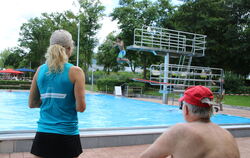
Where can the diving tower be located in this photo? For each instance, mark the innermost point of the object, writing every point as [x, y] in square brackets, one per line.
[160, 41]
[175, 78]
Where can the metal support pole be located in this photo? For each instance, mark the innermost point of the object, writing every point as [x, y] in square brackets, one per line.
[165, 94]
[78, 41]
[92, 80]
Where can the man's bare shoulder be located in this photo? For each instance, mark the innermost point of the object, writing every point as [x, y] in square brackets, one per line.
[193, 128]
[180, 127]
[177, 130]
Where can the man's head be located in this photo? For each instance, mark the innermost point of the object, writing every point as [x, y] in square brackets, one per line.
[196, 103]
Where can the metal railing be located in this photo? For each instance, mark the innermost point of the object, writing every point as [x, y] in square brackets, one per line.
[169, 41]
[182, 76]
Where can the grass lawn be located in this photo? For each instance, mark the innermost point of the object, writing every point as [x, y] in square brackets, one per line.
[89, 87]
[237, 100]
[154, 93]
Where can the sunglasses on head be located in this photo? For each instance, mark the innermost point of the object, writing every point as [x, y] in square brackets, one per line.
[181, 105]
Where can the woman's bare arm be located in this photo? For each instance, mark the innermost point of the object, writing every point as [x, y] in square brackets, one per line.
[78, 78]
[34, 97]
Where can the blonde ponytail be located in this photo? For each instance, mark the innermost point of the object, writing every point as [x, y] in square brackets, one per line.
[55, 58]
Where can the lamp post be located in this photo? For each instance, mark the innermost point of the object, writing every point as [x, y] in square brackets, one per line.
[92, 80]
[78, 41]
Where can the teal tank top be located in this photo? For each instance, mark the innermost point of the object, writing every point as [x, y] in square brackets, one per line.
[58, 109]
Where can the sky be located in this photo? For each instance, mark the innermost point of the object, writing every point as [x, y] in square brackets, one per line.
[13, 13]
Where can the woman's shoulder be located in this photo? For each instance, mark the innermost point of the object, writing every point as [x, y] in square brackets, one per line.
[75, 73]
[42, 66]
[76, 69]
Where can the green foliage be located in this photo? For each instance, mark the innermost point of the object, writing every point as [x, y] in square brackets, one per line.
[36, 32]
[226, 24]
[90, 12]
[136, 84]
[133, 14]
[233, 83]
[10, 84]
[15, 58]
[3, 56]
[107, 55]
[89, 87]
[13, 82]
[153, 93]
[107, 82]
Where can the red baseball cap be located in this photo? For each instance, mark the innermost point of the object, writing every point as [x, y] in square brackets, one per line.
[194, 95]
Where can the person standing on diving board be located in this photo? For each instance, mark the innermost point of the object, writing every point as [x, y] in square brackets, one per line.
[120, 44]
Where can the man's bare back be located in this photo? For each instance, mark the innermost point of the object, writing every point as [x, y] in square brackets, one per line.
[194, 140]
[205, 140]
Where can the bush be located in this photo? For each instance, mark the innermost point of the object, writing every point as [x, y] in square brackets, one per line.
[107, 82]
[15, 87]
[10, 84]
[234, 83]
[136, 84]
[244, 90]
[96, 74]
[13, 82]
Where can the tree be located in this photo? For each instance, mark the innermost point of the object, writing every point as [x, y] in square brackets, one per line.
[90, 12]
[3, 56]
[226, 24]
[36, 32]
[14, 58]
[133, 14]
[107, 55]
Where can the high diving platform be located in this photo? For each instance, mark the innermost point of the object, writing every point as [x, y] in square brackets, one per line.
[160, 41]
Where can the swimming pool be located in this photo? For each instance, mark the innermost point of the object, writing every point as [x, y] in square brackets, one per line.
[103, 111]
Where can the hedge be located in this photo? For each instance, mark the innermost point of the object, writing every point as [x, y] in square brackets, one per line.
[17, 87]
[13, 84]
[108, 84]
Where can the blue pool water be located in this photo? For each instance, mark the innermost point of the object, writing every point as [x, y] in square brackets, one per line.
[102, 111]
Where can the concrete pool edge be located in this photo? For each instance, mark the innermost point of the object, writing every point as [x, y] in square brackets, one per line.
[21, 141]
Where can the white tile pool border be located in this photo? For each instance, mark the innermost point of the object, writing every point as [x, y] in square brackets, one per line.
[21, 141]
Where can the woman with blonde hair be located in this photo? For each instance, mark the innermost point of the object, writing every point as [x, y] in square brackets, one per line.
[58, 90]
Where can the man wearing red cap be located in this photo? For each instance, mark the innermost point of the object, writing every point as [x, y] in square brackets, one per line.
[199, 137]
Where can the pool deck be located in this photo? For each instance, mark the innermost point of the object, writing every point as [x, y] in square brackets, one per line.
[133, 151]
[127, 151]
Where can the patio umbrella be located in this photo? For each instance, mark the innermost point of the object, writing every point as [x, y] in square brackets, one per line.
[25, 70]
[11, 71]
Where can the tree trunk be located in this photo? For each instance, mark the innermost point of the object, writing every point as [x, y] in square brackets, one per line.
[132, 67]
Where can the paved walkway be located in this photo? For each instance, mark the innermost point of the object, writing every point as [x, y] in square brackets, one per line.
[127, 151]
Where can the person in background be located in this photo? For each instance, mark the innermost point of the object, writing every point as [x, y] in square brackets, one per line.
[121, 56]
[199, 137]
[58, 89]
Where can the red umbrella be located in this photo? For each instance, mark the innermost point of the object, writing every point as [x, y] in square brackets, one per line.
[11, 71]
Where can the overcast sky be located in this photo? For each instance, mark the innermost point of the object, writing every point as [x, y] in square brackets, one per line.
[13, 13]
